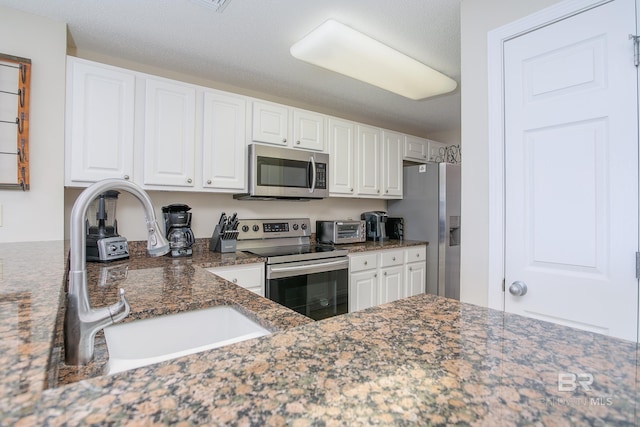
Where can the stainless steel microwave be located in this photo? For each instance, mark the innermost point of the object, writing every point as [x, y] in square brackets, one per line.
[286, 173]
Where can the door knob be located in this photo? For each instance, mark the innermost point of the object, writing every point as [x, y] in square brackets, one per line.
[518, 288]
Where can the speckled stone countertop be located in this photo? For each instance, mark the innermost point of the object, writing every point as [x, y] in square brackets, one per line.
[423, 360]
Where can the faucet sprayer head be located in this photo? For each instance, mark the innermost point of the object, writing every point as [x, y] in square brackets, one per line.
[157, 244]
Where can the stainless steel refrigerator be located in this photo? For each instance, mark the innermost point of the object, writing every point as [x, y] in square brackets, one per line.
[431, 210]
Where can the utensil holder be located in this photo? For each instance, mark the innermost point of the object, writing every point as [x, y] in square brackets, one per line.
[223, 241]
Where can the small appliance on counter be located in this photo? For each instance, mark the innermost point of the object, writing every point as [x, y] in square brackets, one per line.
[225, 234]
[103, 242]
[340, 232]
[177, 225]
[395, 228]
[376, 225]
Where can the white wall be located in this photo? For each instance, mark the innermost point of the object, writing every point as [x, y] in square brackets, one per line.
[478, 17]
[206, 210]
[37, 214]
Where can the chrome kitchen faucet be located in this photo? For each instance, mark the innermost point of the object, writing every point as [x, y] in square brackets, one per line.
[81, 321]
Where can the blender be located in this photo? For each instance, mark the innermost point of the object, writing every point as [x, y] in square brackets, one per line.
[103, 242]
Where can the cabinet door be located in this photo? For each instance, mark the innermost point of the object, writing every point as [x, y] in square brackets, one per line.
[391, 285]
[341, 150]
[223, 142]
[363, 290]
[368, 158]
[416, 149]
[169, 138]
[392, 144]
[249, 276]
[308, 130]
[100, 126]
[416, 278]
[434, 151]
[270, 123]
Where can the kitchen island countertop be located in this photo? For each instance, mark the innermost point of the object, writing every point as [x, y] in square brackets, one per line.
[420, 360]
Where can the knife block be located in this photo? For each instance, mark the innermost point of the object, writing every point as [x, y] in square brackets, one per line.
[223, 241]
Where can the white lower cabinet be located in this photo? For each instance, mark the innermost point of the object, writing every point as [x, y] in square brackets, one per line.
[249, 276]
[383, 276]
[415, 269]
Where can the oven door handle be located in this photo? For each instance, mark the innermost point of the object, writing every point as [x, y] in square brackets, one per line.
[298, 270]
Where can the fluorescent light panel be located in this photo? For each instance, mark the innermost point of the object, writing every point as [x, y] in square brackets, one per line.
[339, 48]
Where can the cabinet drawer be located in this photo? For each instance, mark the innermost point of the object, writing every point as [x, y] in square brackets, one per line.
[247, 276]
[415, 254]
[362, 262]
[389, 258]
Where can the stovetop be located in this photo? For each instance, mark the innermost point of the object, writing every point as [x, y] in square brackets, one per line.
[291, 253]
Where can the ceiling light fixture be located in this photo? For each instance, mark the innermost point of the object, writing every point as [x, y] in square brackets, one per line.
[216, 5]
[339, 48]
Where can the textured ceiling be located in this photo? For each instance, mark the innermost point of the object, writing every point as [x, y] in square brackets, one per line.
[247, 46]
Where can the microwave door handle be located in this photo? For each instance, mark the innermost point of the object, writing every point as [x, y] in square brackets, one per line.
[313, 174]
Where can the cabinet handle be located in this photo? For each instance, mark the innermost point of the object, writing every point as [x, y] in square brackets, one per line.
[126, 177]
[189, 180]
[208, 181]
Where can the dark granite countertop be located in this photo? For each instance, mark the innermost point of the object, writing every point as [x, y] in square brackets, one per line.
[423, 360]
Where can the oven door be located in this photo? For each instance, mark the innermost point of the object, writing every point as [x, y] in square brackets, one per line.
[317, 289]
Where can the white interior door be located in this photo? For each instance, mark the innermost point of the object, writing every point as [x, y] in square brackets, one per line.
[571, 171]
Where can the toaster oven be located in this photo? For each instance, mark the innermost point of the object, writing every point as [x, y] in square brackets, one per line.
[340, 232]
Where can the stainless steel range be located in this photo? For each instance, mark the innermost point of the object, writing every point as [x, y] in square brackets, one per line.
[311, 279]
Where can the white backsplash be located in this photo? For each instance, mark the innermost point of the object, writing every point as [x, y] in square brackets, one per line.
[206, 209]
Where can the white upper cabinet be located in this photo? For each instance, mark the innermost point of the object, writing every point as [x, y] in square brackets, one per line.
[169, 137]
[223, 141]
[289, 127]
[368, 151]
[308, 130]
[392, 146]
[341, 139]
[435, 154]
[416, 149]
[379, 162]
[270, 123]
[99, 122]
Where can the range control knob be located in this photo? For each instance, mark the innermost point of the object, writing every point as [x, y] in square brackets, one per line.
[245, 228]
[255, 227]
[295, 226]
[303, 226]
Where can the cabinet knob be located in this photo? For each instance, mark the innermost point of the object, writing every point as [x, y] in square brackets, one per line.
[284, 139]
[385, 273]
[378, 191]
[418, 255]
[126, 177]
[366, 262]
[387, 190]
[351, 189]
[208, 181]
[375, 275]
[298, 142]
[424, 156]
[394, 258]
[410, 268]
[189, 180]
[235, 280]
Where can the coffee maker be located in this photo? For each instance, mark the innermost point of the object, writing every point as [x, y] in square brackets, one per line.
[177, 224]
[103, 243]
[376, 225]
